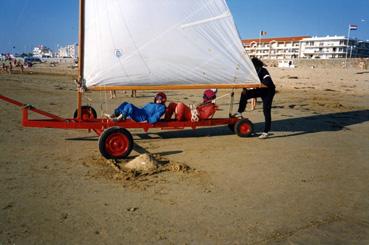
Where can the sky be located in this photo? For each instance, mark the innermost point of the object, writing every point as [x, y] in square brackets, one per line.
[25, 24]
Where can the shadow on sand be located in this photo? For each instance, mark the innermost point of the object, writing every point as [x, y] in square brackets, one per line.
[292, 126]
[320, 123]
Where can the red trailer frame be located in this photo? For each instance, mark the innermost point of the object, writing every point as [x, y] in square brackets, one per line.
[115, 141]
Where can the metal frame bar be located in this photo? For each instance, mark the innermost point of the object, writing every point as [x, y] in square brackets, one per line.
[98, 125]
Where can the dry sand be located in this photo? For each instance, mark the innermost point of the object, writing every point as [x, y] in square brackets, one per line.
[307, 184]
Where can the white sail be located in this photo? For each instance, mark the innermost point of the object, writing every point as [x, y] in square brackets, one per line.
[163, 42]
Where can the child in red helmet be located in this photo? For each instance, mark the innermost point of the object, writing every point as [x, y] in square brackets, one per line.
[203, 111]
[150, 113]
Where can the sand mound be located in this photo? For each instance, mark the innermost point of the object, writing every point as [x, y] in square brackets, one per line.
[144, 171]
[147, 165]
[143, 163]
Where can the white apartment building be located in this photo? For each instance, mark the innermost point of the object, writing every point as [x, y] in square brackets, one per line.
[331, 47]
[325, 47]
[42, 51]
[306, 47]
[274, 48]
[69, 51]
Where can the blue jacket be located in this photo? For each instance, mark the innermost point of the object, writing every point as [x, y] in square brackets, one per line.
[151, 112]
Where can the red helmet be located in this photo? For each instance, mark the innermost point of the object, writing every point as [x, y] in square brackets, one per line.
[209, 95]
[161, 96]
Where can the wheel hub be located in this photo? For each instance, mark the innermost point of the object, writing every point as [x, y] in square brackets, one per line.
[116, 144]
[245, 129]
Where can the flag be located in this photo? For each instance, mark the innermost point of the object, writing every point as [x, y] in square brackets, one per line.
[353, 27]
[263, 33]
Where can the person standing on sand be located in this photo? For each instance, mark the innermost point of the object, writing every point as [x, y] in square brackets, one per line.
[113, 94]
[266, 94]
[253, 104]
[10, 66]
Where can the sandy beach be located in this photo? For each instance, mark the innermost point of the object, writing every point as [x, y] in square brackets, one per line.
[306, 184]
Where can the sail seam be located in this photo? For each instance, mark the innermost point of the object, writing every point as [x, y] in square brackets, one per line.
[200, 22]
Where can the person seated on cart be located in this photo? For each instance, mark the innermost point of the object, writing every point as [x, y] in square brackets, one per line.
[150, 113]
[203, 111]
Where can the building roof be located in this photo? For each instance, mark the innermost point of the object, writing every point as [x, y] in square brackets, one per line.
[276, 39]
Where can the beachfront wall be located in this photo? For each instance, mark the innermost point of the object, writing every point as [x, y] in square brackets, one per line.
[357, 63]
[305, 47]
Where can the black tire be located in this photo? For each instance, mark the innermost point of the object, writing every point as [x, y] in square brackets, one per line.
[115, 143]
[88, 113]
[244, 128]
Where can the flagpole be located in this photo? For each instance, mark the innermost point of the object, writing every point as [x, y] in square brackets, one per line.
[260, 41]
[348, 42]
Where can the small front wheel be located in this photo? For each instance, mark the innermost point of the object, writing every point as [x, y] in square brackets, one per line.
[244, 128]
[88, 113]
[115, 143]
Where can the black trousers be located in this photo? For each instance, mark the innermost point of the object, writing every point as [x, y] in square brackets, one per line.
[267, 95]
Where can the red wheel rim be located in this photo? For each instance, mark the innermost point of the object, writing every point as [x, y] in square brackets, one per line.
[245, 128]
[116, 144]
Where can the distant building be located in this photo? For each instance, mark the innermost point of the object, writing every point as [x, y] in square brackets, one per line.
[69, 51]
[274, 48]
[306, 47]
[42, 51]
[331, 47]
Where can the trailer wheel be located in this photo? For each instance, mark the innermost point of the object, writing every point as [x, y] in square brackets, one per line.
[115, 143]
[244, 128]
[88, 113]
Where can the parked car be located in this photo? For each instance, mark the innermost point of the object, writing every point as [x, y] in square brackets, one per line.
[32, 60]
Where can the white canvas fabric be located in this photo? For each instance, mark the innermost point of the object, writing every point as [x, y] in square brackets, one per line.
[163, 42]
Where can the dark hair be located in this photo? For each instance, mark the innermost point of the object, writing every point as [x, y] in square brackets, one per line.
[257, 63]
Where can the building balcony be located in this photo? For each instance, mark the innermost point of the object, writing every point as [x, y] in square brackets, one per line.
[323, 46]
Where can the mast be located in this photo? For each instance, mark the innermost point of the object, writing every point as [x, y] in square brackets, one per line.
[81, 42]
[81, 55]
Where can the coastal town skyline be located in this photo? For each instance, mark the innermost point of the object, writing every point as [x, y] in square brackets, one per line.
[55, 24]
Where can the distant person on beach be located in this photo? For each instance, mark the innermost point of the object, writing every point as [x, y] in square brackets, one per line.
[253, 104]
[362, 64]
[113, 94]
[150, 113]
[203, 111]
[266, 94]
[10, 66]
[20, 65]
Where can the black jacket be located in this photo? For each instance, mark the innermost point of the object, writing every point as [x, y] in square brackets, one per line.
[265, 78]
